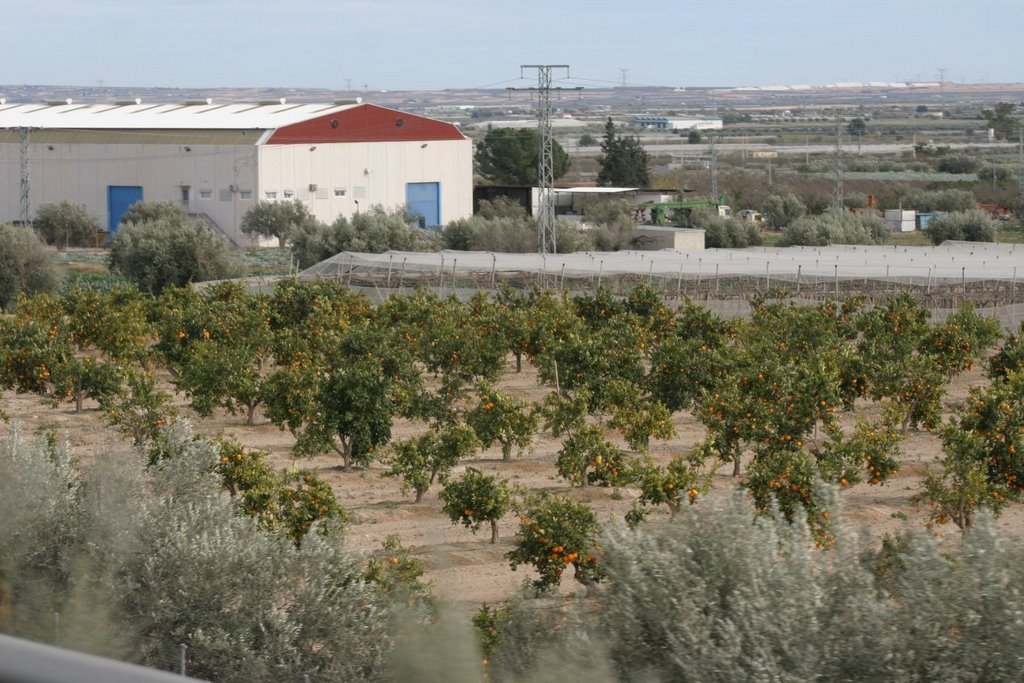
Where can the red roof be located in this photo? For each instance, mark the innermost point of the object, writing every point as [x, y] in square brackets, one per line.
[365, 123]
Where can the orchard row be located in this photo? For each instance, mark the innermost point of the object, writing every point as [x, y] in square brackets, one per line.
[336, 372]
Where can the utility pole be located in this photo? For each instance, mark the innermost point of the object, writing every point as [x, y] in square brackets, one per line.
[837, 191]
[625, 76]
[545, 160]
[26, 194]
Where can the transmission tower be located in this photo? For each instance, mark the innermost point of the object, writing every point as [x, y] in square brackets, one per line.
[545, 160]
[713, 153]
[26, 211]
[837, 191]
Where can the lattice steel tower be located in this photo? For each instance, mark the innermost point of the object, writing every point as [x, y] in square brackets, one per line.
[545, 159]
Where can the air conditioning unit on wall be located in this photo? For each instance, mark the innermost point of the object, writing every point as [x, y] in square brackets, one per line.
[233, 188]
[312, 187]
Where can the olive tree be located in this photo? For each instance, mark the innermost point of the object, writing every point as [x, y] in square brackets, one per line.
[25, 266]
[169, 251]
[970, 226]
[66, 224]
[275, 219]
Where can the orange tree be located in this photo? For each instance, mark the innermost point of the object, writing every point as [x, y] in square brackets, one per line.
[40, 358]
[294, 501]
[897, 363]
[685, 357]
[588, 357]
[961, 341]
[422, 460]
[113, 322]
[476, 498]
[554, 533]
[787, 477]
[585, 456]
[341, 391]
[765, 399]
[459, 342]
[139, 408]
[222, 348]
[637, 417]
[511, 314]
[500, 417]
[983, 465]
[1009, 357]
[678, 482]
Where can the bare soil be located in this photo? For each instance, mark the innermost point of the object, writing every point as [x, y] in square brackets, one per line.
[466, 569]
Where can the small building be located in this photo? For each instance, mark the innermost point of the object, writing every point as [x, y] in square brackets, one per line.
[751, 216]
[217, 160]
[649, 237]
[922, 219]
[900, 220]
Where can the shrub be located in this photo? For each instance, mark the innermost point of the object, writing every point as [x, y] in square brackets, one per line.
[136, 562]
[941, 200]
[275, 219]
[166, 252]
[715, 597]
[146, 212]
[957, 165]
[66, 225]
[725, 233]
[781, 210]
[970, 226]
[993, 171]
[835, 228]
[25, 266]
[374, 231]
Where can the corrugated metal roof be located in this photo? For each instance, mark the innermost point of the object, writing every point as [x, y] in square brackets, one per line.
[162, 116]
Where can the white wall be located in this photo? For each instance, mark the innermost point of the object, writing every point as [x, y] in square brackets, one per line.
[81, 173]
[368, 174]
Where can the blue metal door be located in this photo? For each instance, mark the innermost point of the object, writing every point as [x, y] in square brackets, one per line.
[423, 200]
[119, 198]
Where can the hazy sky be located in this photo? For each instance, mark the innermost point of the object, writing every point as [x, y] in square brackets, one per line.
[433, 44]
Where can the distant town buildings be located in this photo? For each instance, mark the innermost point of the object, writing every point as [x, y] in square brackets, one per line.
[664, 123]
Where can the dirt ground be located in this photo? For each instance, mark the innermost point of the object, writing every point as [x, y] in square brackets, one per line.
[466, 569]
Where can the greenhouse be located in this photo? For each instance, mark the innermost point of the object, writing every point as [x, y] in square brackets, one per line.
[985, 273]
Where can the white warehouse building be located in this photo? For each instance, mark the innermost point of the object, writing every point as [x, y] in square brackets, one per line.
[664, 123]
[217, 160]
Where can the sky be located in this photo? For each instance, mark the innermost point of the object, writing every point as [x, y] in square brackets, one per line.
[439, 44]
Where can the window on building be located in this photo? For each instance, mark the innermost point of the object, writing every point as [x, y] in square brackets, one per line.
[340, 191]
[245, 194]
[289, 193]
[206, 194]
[270, 195]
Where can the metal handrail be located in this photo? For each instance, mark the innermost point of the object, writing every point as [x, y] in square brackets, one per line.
[23, 661]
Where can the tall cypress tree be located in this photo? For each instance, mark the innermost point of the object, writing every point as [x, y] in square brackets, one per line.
[623, 160]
